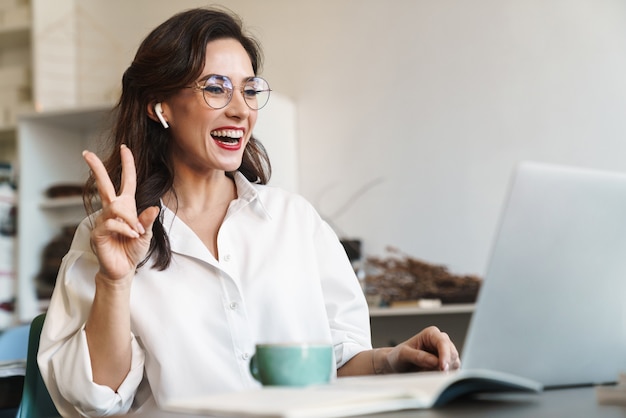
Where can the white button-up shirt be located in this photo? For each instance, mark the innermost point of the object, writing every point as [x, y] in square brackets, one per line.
[282, 276]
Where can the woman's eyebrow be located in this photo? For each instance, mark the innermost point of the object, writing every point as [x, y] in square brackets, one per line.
[206, 77]
[223, 77]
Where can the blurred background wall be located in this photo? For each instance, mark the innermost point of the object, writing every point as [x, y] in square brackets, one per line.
[411, 114]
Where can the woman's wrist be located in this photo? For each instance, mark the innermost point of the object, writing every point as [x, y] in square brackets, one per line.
[380, 363]
[105, 283]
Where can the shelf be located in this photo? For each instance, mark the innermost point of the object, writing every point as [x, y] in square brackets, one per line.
[50, 148]
[7, 133]
[15, 35]
[8, 129]
[86, 117]
[62, 202]
[407, 311]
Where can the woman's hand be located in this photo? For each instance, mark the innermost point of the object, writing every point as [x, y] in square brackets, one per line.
[431, 349]
[120, 237]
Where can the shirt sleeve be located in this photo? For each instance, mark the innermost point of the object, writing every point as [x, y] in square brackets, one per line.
[346, 307]
[63, 355]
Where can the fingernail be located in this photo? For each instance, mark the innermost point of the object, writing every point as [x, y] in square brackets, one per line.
[446, 367]
[140, 228]
[84, 152]
[134, 233]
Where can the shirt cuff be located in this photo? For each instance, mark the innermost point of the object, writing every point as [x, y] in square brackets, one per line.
[345, 351]
[74, 376]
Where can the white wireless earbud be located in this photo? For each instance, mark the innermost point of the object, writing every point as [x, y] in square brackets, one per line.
[159, 113]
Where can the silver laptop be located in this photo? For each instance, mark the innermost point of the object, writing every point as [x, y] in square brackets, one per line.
[552, 306]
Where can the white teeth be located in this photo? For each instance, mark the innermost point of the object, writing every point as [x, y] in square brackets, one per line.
[230, 133]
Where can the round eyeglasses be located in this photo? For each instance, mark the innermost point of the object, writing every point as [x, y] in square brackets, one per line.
[217, 91]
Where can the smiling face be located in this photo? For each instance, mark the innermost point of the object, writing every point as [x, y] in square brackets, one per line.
[209, 140]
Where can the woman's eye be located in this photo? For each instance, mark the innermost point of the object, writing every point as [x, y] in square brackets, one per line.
[215, 89]
[250, 92]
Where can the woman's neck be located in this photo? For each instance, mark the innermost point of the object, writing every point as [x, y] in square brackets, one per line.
[199, 194]
[202, 206]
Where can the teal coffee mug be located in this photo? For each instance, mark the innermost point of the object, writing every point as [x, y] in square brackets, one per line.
[292, 364]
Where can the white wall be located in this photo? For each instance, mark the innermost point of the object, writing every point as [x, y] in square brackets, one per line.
[431, 103]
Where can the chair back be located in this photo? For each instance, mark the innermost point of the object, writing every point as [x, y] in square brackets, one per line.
[36, 401]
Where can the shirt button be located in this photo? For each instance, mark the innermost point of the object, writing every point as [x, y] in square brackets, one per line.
[227, 258]
[233, 305]
[245, 356]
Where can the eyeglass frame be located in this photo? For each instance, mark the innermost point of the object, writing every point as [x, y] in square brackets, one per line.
[202, 88]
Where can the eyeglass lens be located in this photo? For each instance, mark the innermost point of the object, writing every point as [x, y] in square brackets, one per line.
[218, 92]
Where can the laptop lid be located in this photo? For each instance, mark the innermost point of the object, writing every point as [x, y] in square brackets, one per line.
[552, 306]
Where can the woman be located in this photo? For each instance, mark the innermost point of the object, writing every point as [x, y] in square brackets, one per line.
[192, 259]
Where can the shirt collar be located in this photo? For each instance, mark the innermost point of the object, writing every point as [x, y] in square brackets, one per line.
[249, 193]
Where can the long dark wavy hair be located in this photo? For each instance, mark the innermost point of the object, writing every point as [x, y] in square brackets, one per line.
[170, 58]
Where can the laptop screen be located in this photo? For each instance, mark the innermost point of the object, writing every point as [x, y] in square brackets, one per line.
[552, 306]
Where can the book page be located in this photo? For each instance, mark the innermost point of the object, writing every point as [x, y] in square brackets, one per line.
[311, 402]
[349, 396]
[344, 397]
[422, 385]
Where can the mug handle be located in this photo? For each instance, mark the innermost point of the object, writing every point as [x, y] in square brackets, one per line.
[254, 368]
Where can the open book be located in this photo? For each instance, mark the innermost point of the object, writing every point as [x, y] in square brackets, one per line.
[351, 396]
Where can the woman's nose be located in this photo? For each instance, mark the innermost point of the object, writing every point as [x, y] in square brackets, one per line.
[237, 106]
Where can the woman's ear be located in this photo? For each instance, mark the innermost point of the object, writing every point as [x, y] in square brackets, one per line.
[155, 112]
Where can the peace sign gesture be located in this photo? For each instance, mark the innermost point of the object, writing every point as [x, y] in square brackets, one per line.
[120, 237]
